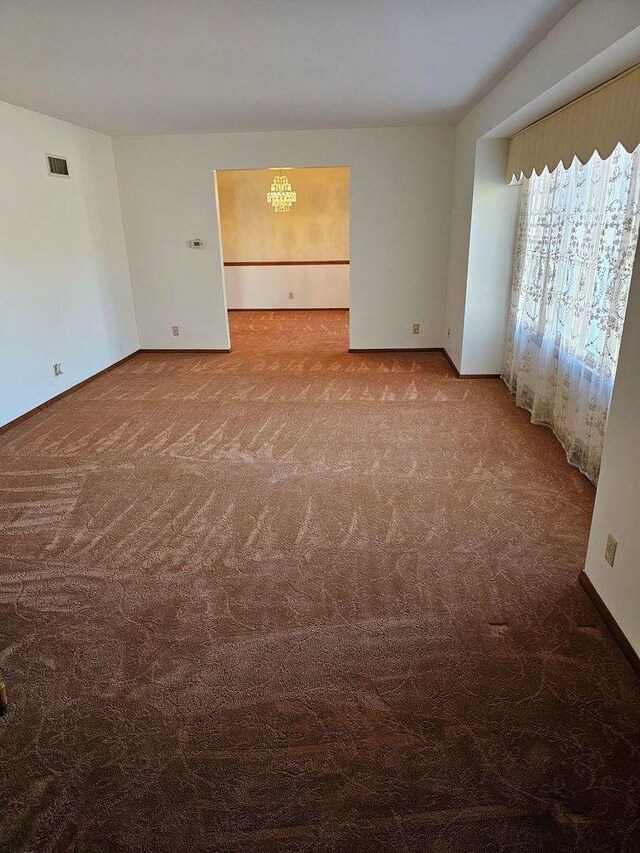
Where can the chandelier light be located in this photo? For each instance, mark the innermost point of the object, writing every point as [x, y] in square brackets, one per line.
[282, 196]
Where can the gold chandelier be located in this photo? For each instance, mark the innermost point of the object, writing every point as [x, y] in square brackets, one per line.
[282, 196]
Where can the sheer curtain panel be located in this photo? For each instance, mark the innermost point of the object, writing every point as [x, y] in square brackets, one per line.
[575, 249]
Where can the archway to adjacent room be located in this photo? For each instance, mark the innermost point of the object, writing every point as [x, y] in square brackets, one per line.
[284, 237]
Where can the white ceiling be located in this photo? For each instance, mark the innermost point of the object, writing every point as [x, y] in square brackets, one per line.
[193, 66]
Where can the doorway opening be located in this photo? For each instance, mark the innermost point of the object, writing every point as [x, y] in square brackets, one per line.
[284, 236]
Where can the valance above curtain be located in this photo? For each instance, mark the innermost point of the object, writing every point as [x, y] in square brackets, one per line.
[597, 121]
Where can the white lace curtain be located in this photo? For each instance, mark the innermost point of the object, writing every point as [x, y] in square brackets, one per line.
[575, 249]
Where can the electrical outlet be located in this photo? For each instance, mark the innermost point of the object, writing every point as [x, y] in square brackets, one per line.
[57, 369]
[291, 294]
[416, 328]
[610, 550]
[175, 331]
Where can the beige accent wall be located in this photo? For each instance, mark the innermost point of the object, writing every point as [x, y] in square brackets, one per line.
[315, 229]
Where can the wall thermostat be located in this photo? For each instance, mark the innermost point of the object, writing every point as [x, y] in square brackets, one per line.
[196, 244]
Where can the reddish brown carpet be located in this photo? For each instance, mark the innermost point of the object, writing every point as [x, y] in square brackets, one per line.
[295, 599]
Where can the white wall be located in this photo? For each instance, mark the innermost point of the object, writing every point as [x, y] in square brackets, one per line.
[65, 293]
[494, 220]
[312, 286]
[592, 43]
[617, 507]
[400, 216]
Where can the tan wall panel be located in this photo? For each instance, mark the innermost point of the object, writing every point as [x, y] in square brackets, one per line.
[315, 229]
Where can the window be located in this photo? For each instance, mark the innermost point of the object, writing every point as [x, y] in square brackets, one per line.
[575, 250]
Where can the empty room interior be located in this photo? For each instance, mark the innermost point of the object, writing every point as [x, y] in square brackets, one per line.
[298, 262]
[319, 426]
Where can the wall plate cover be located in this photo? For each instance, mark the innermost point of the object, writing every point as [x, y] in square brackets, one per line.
[610, 550]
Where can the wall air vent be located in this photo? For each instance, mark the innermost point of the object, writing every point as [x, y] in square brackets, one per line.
[57, 166]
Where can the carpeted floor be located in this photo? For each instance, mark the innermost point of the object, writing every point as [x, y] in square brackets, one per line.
[295, 599]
